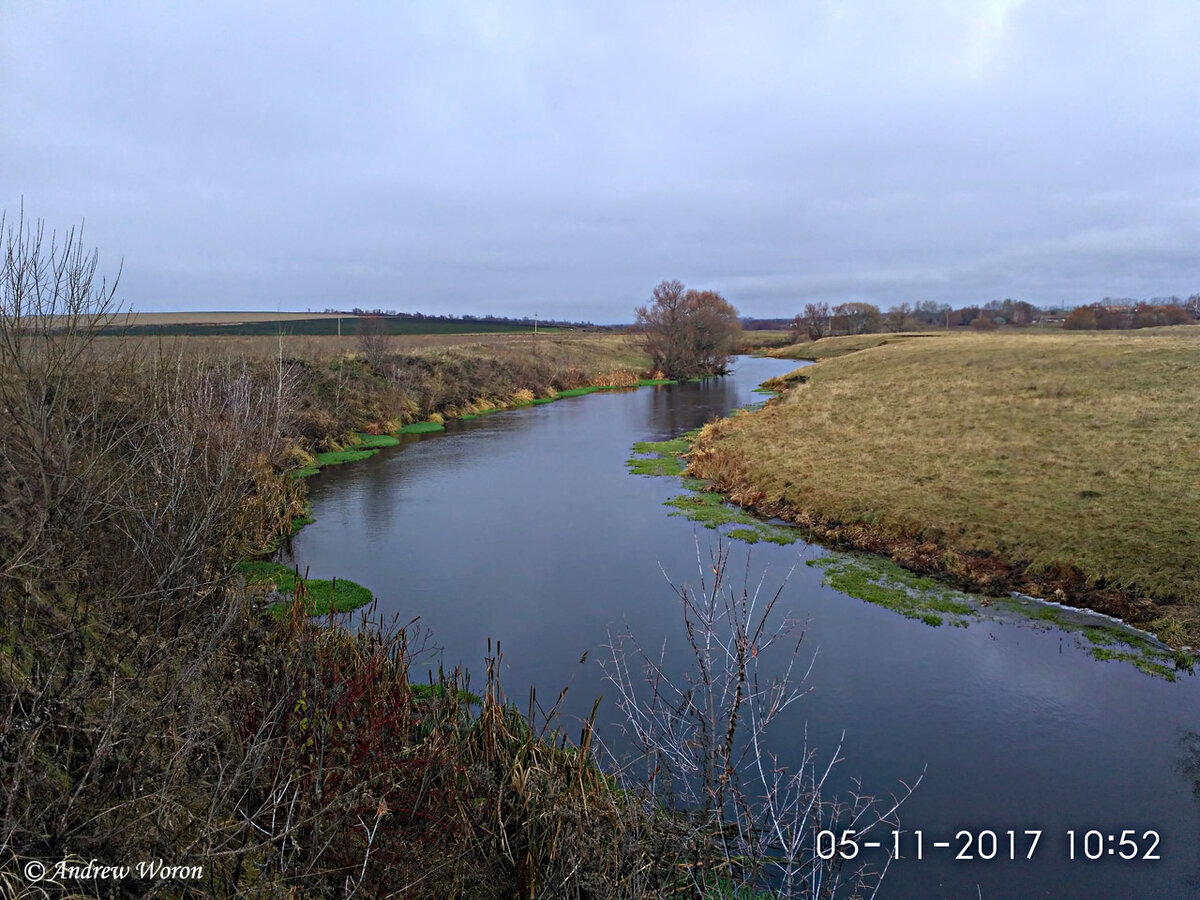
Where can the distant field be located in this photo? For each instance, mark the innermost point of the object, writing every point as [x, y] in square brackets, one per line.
[229, 324]
[217, 318]
[1043, 462]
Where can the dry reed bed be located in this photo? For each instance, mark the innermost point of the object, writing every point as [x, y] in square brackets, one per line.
[1060, 465]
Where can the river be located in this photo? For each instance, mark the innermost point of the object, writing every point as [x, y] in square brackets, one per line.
[526, 527]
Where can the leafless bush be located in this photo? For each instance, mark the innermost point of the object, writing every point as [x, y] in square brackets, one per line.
[374, 340]
[127, 488]
[702, 737]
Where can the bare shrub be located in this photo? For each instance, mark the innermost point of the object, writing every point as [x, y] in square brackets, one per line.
[702, 738]
[374, 340]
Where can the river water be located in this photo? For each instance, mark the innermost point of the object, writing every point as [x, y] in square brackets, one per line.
[525, 527]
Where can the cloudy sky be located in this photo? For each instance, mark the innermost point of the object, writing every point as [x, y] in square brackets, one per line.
[564, 157]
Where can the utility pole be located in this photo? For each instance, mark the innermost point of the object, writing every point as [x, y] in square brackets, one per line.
[535, 323]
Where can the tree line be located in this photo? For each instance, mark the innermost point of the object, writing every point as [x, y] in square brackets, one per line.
[820, 320]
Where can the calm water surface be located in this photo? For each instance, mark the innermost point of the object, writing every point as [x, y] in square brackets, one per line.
[525, 527]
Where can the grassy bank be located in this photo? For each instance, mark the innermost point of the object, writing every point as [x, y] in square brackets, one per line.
[828, 348]
[1057, 465]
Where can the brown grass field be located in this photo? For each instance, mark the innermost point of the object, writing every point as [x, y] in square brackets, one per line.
[587, 350]
[1064, 465]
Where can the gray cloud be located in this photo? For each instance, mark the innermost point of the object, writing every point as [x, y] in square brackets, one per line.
[476, 157]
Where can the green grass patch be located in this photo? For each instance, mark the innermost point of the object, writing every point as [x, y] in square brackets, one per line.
[324, 595]
[422, 428]
[659, 457]
[340, 457]
[368, 441]
[676, 447]
[575, 392]
[1103, 641]
[366, 445]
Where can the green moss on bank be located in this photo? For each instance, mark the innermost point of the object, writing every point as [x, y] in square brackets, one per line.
[324, 596]
[700, 505]
[1105, 641]
[882, 582]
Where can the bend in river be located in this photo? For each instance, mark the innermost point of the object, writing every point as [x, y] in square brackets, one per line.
[526, 527]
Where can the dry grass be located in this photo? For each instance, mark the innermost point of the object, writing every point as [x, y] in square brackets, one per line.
[587, 350]
[1072, 456]
[829, 347]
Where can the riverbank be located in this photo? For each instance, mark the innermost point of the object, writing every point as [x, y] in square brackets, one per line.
[191, 722]
[1054, 465]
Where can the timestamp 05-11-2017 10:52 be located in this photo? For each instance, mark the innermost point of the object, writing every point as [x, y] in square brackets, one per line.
[1128, 844]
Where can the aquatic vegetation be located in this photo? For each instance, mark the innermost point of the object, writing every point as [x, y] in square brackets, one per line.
[1104, 641]
[712, 511]
[880, 581]
[700, 505]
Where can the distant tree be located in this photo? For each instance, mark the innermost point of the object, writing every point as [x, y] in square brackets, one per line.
[899, 317]
[932, 313]
[1021, 313]
[688, 333]
[1081, 319]
[966, 315]
[813, 322]
[857, 318]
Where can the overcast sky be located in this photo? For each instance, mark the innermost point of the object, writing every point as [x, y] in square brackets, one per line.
[565, 157]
